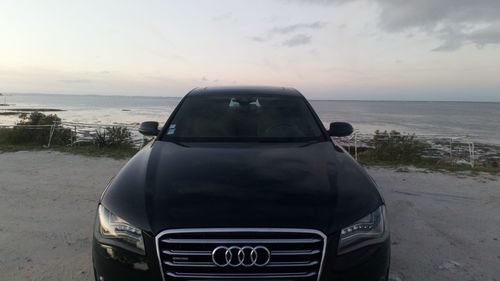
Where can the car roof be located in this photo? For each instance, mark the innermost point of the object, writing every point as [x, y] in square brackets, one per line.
[257, 90]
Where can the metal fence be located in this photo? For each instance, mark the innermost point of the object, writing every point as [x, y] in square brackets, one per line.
[456, 149]
[82, 133]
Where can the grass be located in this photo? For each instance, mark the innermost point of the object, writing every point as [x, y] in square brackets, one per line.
[395, 150]
[113, 142]
[435, 166]
[389, 150]
[117, 152]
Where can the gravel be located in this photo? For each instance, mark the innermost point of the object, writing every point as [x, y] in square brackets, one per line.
[444, 226]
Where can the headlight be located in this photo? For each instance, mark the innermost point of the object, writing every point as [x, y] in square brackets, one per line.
[118, 231]
[369, 230]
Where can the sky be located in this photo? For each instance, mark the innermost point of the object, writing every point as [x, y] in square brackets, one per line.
[328, 49]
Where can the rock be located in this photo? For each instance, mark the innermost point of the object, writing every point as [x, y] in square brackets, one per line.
[450, 265]
[396, 276]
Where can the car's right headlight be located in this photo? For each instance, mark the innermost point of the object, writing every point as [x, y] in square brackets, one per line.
[116, 230]
[369, 230]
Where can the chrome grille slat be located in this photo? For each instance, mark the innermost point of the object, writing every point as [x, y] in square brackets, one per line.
[205, 264]
[243, 276]
[295, 254]
[189, 264]
[292, 264]
[187, 253]
[290, 253]
[230, 241]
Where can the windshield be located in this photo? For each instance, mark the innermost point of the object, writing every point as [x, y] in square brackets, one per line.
[243, 118]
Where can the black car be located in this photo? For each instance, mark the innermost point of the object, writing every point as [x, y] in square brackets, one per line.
[242, 183]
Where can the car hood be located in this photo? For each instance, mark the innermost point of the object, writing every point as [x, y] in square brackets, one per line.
[169, 185]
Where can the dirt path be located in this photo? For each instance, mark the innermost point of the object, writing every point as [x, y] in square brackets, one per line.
[47, 207]
[443, 227]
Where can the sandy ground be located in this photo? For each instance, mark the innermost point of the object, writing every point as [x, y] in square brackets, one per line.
[444, 227]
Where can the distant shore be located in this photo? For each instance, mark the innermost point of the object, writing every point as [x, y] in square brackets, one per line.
[476, 119]
[18, 111]
[441, 150]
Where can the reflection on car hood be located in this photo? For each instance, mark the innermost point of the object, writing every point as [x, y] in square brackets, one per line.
[169, 185]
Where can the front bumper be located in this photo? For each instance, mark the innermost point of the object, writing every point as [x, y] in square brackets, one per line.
[112, 263]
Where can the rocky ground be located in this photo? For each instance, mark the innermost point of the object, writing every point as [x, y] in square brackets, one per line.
[444, 226]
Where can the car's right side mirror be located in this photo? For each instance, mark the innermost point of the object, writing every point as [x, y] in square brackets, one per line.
[340, 129]
[149, 128]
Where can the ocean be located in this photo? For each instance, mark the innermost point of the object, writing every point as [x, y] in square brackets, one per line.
[479, 121]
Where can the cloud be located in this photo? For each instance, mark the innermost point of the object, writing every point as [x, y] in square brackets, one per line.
[487, 35]
[222, 17]
[259, 38]
[455, 22]
[455, 38]
[299, 26]
[297, 40]
[75, 81]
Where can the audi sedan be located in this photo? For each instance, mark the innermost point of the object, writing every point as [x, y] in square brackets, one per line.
[242, 183]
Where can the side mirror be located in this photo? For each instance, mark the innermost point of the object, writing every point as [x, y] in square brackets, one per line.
[340, 129]
[149, 128]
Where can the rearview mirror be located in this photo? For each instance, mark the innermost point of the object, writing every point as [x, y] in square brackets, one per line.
[149, 128]
[340, 129]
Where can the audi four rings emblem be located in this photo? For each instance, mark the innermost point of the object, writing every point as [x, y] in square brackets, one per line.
[246, 256]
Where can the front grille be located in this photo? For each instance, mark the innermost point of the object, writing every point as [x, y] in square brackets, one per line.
[280, 254]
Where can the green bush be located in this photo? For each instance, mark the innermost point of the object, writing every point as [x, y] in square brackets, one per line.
[38, 118]
[115, 136]
[394, 147]
[23, 133]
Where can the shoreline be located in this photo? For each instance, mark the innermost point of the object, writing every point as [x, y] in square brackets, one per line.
[439, 149]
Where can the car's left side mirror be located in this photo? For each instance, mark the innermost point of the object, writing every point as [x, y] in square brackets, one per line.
[149, 128]
[340, 129]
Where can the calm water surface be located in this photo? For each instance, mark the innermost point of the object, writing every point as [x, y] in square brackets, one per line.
[479, 120]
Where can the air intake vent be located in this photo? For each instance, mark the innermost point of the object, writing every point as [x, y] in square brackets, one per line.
[258, 254]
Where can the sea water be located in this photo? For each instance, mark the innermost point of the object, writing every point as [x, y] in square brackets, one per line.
[478, 120]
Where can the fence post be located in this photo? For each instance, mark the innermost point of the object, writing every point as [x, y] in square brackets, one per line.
[75, 137]
[355, 145]
[52, 128]
[451, 154]
[472, 155]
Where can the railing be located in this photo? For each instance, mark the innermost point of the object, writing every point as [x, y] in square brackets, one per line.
[81, 132]
[85, 133]
[436, 142]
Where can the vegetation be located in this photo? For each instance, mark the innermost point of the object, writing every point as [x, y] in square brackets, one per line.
[117, 152]
[388, 149]
[35, 129]
[113, 137]
[33, 132]
[394, 147]
[396, 150]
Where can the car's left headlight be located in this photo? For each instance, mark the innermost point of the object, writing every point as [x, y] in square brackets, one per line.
[118, 231]
[371, 229]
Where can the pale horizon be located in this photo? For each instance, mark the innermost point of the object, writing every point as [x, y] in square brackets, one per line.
[330, 50]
